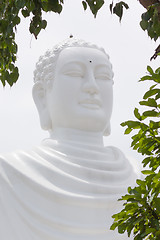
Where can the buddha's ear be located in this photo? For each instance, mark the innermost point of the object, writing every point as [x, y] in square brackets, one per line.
[39, 96]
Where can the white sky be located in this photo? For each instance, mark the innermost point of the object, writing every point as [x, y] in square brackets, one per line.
[128, 46]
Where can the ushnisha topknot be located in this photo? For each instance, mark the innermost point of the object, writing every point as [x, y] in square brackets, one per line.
[45, 66]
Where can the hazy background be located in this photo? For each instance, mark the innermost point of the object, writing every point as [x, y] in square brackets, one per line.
[128, 46]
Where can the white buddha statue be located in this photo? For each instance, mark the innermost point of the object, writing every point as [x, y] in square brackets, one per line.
[67, 188]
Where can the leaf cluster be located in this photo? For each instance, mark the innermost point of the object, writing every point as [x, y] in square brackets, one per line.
[141, 213]
[9, 19]
[94, 5]
[118, 8]
[150, 21]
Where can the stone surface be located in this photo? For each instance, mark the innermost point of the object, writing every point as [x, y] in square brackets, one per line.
[67, 188]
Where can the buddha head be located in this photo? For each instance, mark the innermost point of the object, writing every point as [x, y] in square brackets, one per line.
[74, 87]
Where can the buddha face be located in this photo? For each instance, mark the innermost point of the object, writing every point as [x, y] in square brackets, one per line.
[80, 96]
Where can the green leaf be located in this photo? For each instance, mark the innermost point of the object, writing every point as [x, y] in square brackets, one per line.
[95, 5]
[84, 5]
[111, 7]
[133, 124]
[128, 197]
[44, 24]
[157, 203]
[14, 75]
[144, 24]
[151, 93]
[153, 86]
[54, 6]
[113, 226]
[31, 28]
[157, 96]
[131, 206]
[146, 161]
[127, 131]
[147, 77]
[154, 125]
[143, 103]
[31, 5]
[147, 172]
[123, 124]
[139, 182]
[136, 114]
[122, 228]
[150, 70]
[118, 10]
[16, 20]
[19, 3]
[25, 13]
[157, 71]
[152, 113]
[138, 237]
[146, 16]
[150, 103]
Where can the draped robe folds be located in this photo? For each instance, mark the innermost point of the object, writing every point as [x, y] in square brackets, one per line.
[62, 191]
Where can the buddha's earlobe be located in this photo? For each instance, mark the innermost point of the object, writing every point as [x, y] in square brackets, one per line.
[107, 131]
[46, 123]
[39, 96]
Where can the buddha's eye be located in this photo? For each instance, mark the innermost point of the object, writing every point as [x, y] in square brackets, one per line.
[102, 76]
[73, 73]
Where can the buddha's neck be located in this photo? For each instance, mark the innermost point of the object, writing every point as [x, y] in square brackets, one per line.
[77, 136]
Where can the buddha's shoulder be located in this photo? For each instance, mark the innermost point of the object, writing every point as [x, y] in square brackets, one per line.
[14, 159]
[115, 151]
[19, 158]
[118, 153]
[11, 157]
[17, 164]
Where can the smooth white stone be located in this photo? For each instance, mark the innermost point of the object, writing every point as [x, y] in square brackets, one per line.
[67, 188]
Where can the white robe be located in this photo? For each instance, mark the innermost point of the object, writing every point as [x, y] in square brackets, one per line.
[62, 191]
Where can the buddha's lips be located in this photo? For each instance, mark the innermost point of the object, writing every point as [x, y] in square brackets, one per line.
[91, 101]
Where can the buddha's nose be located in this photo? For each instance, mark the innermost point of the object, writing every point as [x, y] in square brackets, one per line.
[90, 85]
